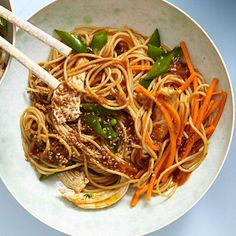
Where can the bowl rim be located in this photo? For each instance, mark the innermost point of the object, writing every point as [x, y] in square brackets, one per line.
[9, 60]
[42, 220]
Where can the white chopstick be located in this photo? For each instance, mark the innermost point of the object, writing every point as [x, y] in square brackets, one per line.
[51, 81]
[36, 32]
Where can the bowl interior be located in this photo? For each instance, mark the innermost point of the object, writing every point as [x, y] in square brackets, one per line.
[42, 199]
[10, 36]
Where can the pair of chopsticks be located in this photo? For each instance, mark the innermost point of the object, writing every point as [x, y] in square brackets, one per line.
[51, 81]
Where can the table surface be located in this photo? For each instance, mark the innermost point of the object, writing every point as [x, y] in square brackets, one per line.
[215, 214]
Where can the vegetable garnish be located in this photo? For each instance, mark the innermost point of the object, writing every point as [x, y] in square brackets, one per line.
[75, 42]
[99, 40]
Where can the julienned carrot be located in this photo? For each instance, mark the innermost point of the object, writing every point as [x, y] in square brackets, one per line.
[141, 89]
[185, 175]
[218, 92]
[182, 177]
[191, 79]
[206, 102]
[150, 143]
[187, 56]
[212, 107]
[195, 101]
[140, 67]
[134, 200]
[187, 83]
[172, 134]
[221, 108]
[138, 193]
[169, 122]
[148, 139]
[209, 130]
[155, 173]
[172, 110]
[189, 144]
[174, 114]
[200, 118]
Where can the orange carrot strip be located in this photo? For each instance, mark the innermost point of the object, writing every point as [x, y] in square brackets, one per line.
[172, 134]
[200, 118]
[209, 108]
[142, 190]
[169, 122]
[150, 143]
[155, 173]
[138, 193]
[206, 102]
[195, 101]
[148, 139]
[187, 83]
[174, 114]
[221, 108]
[134, 200]
[212, 107]
[182, 177]
[187, 56]
[141, 89]
[209, 130]
[140, 67]
[191, 141]
[216, 93]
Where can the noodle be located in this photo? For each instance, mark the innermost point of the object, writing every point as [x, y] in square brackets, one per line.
[153, 126]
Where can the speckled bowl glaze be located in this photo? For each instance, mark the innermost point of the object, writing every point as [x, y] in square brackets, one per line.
[42, 200]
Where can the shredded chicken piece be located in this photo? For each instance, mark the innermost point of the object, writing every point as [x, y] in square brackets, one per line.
[78, 80]
[74, 180]
[94, 200]
[170, 94]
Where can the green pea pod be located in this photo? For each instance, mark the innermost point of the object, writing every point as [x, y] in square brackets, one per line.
[110, 132]
[99, 40]
[161, 66]
[145, 83]
[3, 27]
[113, 122]
[96, 108]
[155, 39]
[101, 127]
[112, 137]
[75, 42]
[155, 52]
[104, 130]
[94, 122]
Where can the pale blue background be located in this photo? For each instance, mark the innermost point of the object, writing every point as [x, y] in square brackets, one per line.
[215, 214]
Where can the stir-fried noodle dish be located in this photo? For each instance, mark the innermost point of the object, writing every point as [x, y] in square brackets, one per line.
[129, 113]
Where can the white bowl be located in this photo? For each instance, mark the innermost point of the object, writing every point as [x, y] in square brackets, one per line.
[10, 37]
[42, 199]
